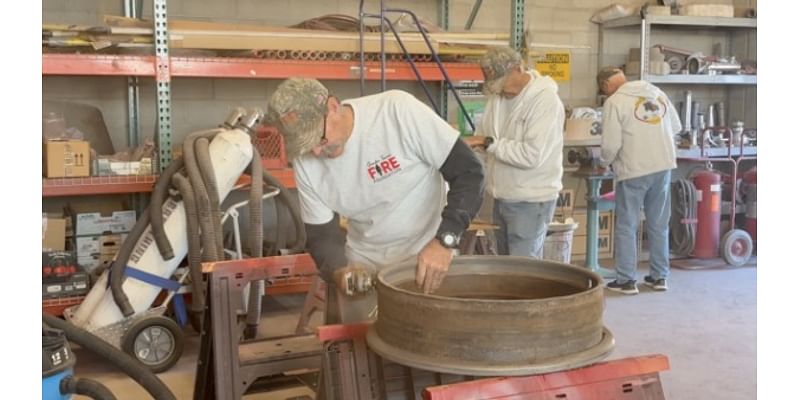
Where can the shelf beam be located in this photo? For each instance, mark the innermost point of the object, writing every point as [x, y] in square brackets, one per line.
[685, 21]
[703, 79]
[246, 68]
[97, 185]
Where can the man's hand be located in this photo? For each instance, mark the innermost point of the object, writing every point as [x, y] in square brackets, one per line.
[474, 141]
[432, 265]
[354, 279]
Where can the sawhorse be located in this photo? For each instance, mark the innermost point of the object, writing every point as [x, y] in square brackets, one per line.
[228, 366]
[363, 375]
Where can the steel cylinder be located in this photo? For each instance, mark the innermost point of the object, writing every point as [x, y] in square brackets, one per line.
[492, 316]
[708, 184]
[750, 220]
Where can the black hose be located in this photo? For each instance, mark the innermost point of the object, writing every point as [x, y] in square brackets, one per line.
[683, 221]
[193, 237]
[158, 197]
[203, 156]
[256, 238]
[85, 387]
[121, 261]
[294, 211]
[201, 195]
[136, 370]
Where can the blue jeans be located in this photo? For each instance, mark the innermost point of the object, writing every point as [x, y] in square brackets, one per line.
[523, 226]
[652, 192]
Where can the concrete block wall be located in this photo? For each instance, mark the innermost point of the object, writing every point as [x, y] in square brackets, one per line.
[201, 103]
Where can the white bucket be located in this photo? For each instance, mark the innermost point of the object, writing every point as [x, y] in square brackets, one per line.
[558, 243]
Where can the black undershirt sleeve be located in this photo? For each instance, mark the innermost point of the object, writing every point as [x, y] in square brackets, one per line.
[464, 174]
[326, 245]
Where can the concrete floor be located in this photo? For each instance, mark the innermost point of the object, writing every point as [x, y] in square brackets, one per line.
[705, 324]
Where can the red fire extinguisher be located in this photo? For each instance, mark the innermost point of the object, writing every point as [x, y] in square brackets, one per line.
[749, 180]
[708, 184]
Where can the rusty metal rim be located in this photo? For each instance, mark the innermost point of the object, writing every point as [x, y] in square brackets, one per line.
[575, 360]
[405, 268]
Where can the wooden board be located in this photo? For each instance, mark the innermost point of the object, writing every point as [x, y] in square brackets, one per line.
[222, 40]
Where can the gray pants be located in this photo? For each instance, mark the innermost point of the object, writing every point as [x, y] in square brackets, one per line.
[523, 226]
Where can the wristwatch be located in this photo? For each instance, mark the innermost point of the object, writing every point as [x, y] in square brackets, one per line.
[448, 239]
[487, 141]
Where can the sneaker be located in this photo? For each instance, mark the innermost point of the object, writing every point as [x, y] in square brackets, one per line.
[656, 284]
[628, 287]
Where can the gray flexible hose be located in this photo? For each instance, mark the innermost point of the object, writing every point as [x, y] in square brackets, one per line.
[683, 221]
[133, 368]
[121, 261]
[193, 236]
[294, 211]
[158, 196]
[201, 195]
[256, 238]
[85, 387]
[203, 157]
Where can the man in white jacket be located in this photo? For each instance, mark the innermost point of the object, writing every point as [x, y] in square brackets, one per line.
[522, 133]
[639, 127]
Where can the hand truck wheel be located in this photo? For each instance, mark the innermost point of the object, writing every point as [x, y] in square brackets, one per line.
[736, 247]
[156, 342]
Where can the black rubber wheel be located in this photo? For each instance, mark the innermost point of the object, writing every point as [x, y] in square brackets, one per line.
[736, 247]
[156, 342]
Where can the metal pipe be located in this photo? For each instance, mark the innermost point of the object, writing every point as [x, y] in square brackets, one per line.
[280, 54]
[438, 61]
[383, 49]
[474, 13]
[362, 72]
[410, 61]
[722, 117]
[687, 111]
[710, 120]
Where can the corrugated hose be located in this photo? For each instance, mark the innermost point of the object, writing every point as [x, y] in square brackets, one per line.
[683, 221]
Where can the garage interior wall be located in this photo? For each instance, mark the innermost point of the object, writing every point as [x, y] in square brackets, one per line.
[201, 103]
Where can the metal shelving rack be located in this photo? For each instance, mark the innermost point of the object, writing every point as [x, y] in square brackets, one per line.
[217, 67]
[646, 25]
[163, 67]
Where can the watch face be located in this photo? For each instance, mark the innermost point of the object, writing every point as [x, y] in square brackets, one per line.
[449, 240]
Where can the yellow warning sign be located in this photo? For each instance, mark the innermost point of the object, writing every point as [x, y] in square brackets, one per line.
[555, 65]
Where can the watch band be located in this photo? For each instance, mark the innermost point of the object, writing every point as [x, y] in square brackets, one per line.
[487, 141]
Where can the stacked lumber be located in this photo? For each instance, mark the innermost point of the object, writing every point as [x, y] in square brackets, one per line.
[268, 41]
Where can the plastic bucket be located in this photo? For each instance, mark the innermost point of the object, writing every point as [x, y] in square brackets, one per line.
[558, 242]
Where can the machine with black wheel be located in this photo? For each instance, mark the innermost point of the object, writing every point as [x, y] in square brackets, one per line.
[183, 221]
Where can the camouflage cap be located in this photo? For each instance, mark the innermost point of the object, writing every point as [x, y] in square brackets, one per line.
[297, 109]
[604, 75]
[495, 64]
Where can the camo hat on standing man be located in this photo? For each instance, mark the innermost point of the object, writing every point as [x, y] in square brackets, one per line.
[495, 65]
[297, 109]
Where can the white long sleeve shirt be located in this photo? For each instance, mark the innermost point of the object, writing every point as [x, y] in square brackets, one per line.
[639, 125]
[525, 161]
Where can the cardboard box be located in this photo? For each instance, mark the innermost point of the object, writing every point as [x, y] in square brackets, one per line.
[99, 245]
[565, 201]
[90, 262]
[66, 158]
[107, 167]
[579, 129]
[93, 224]
[707, 10]
[605, 246]
[54, 233]
[605, 221]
